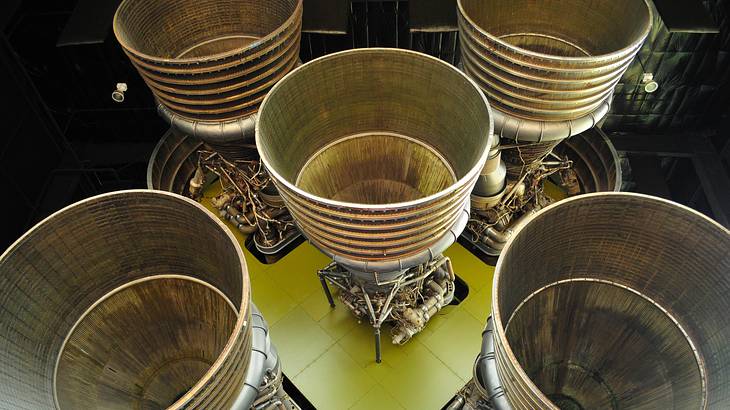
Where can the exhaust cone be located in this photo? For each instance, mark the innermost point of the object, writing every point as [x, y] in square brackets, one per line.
[210, 63]
[375, 151]
[173, 163]
[134, 299]
[614, 301]
[549, 70]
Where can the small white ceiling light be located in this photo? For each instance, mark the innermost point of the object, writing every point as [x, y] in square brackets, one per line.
[118, 94]
[649, 84]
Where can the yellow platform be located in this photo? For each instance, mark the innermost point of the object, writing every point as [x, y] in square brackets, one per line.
[330, 357]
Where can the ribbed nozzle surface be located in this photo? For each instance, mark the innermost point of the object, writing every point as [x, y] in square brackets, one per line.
[134, 299]
[210, 59]
[596, 163]
[375, 151]
[173, 163]
[550, 61]
[614, 300]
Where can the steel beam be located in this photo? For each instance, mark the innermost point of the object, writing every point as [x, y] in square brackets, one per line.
[713, 177]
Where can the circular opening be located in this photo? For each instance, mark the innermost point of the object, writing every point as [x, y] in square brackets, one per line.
[118, 96]
[614, 300]
[143, 346]
[570, 29]
[195, 29]
[591, 345]
[397, 124]
[82, 313]
[376, 169]
[651, 87]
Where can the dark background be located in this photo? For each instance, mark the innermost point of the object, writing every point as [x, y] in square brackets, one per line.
[64, 139]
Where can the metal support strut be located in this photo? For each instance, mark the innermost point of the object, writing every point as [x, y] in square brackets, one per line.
[326, 289]
[378, 355]
[406, 302]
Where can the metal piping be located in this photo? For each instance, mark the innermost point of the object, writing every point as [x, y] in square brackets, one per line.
[264, 359]
[486, 368]
[492, 180]
[216, 132]
[549, 72]
[186, 166]
[526, 130]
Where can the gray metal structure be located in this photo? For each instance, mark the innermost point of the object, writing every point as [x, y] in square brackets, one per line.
[549, 72]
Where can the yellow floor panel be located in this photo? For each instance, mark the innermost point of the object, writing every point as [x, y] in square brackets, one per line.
[329, 356]
[377, 398]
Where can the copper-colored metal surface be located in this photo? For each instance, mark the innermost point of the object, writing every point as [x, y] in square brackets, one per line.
[134, 299]
[596, 165]
[375, 151]
[584, 163]
[173, 163]
[210, 59]
[614, 300]
[552, 61]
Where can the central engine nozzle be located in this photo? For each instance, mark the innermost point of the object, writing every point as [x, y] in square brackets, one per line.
[375, 152]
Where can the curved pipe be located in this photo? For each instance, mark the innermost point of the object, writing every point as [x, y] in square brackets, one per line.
[618, 178]
[262, 359]
[216, 132]
[456, 404]
[242, 221]
[522, 129]
[501, 237]
[486, 371]
[492, 181]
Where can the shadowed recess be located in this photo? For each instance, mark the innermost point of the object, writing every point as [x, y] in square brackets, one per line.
[144, 346]
[376, 169]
